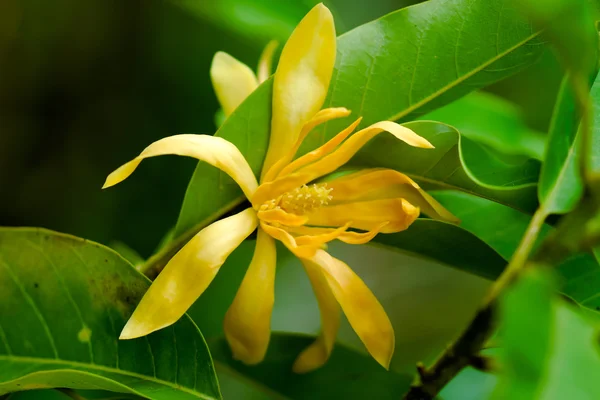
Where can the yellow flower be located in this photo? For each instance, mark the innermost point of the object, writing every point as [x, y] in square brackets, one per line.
[292, 206]
[233, 80]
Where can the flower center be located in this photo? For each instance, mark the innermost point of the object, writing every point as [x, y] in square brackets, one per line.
[302, 200]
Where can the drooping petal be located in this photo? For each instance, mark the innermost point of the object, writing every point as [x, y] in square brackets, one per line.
[346, 236]
[321, 117]
[302, 251]
[373, 184]
[322, 238]
[232, 80]
[315, 355]
[213, 150]
[188, 274]
[365, 314]
[398, 214]
[248, 320]
[301, 80]
[266, 61]
[336, 159]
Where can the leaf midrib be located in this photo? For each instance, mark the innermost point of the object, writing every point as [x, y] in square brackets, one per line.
[84, 366]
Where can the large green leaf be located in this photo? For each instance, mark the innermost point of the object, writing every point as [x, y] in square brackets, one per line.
[550, 351]
[63, 302]
[502, 227]
[447, 244]
[347, 375]
[493, 121]
[372, 81]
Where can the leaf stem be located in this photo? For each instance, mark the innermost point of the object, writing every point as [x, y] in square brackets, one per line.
[460, 354]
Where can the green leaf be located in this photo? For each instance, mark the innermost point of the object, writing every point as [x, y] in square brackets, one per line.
[456, 163]
[448, 244]
[502, 228]
[63, 303]
[347, 374]
[560, 185]
[493, 121]
[550, 350]
[372, 81]
[594, 161]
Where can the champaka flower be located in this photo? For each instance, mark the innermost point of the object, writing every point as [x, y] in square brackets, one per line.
[295, 203]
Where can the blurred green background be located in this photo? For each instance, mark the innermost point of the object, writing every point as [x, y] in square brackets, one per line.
[86, 85]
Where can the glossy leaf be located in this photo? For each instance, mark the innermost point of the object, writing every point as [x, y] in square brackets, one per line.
[347, 374]
[493, 121]
[550, 350]
[447, 244]
[594, 160]
[63, 303]
[561, 185]
[502, 227]
[370, 80]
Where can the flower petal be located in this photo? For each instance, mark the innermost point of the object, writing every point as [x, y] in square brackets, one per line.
[344, 236]
[266, 61]
[280, 216]
[232, 80]
[213, 150]
[301, 80]
[320, 152]
[372, 184]
[188, 274]
[365, 314]
[304, 251]
[248, 320]
[368, 215]
[315, 355]
[336, 159]
[283, 166]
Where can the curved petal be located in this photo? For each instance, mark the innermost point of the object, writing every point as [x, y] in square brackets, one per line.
[398, 214]
[247, 322]
[266, 61]
[315, 355]
[340, 156]
[374, 184]
[279, 216]
[345, 236]
[301, 80]
[188, 274]
[232, 80]
[365, 314]
[319, 118]
[304, 251]
[213, 150]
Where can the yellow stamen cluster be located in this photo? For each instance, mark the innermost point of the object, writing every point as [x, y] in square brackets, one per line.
[305, 199]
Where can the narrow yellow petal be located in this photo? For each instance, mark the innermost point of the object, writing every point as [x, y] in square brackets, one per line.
[346, 236]
[325, 237]
[232, 80]
[188, 274]
[266, 61]
[397, 214]
[279, 216]
[320, 152]
[365, 314]
[315, 355]
[321, 117]
[340, 156]
[248, 320]
[377, 183]
[213, 150]
[304, 251]
[301, 80]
